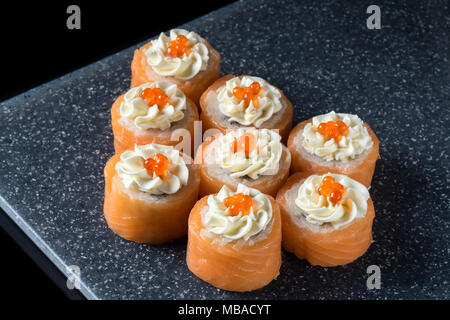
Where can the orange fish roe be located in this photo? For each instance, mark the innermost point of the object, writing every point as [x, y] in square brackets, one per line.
[156, 96]
[331, 189]
[333, 130]
[248, 94]
[239, 203]
[246, 143]
[179, 47]
[157, 165]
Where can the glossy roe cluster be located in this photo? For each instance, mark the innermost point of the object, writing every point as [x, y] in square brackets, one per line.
[157, 165]
[156, 96]
[179, 47]
[331, 189]
[239, 203]
[248, 94]
[333, 130]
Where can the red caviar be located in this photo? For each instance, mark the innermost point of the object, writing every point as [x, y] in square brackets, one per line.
[246, 143]
[156, 96]
[248, 94]
[179, 47]
[157, 165]
[239, 203]
[333, 130]
[331, 189]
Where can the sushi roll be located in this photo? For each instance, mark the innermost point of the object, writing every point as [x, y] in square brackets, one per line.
[327, 219]
[335, 142]
[153, 113]
[183, 58]
[234, 239]
[246, 101]
[149, 192]
[254, 157]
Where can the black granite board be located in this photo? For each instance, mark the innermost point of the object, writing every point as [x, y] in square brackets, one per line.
[55, 140]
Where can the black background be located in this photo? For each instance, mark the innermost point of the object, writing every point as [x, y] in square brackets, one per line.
[37, 47]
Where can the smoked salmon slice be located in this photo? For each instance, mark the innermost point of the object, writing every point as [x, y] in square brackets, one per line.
[238, 265]
[321, 245]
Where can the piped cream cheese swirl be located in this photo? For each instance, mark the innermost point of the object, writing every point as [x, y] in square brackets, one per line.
[264, 159]
[269, 102]
[151, 117]
[184, 68]
[354, 143]
[319, 209]
[218, 220]
[134, 175]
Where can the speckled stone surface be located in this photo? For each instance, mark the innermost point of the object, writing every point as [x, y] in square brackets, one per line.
[55, 140]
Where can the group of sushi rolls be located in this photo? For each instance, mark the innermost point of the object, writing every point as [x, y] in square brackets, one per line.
[245, 194]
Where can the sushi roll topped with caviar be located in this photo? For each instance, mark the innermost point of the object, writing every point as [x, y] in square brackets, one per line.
[153, 113]
[254, 157]
[182, 57]
[234, 239]
[337, 143]
[247, 101]
[149, 192]
[327, 219]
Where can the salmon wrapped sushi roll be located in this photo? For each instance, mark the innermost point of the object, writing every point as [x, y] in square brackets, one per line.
[157, 112]
[254, 157]
[149, 192]
[327, 219]
[246, 101]
[335, 142]
[183, 58]
[234, 239]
